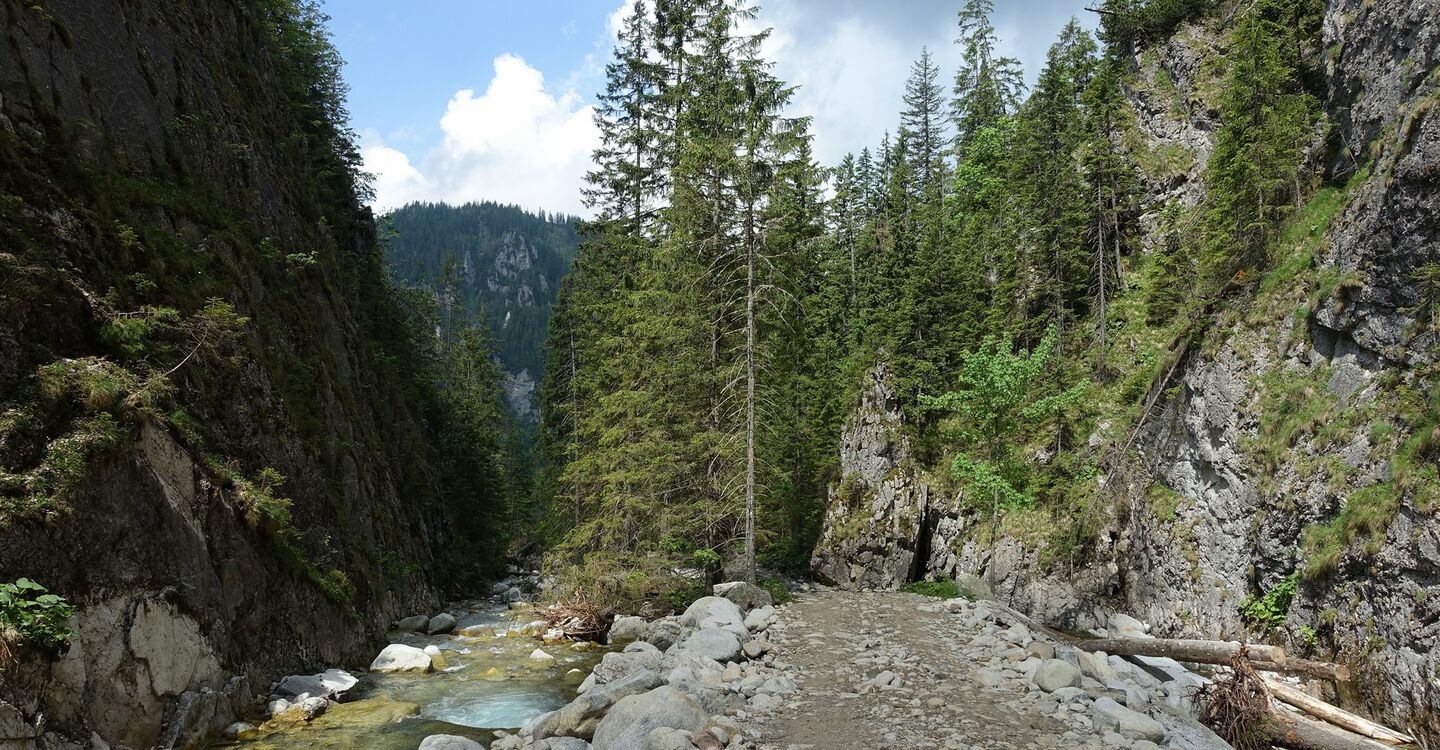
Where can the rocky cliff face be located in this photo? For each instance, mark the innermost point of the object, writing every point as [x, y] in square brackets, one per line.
[1295, 441]
[150, 169]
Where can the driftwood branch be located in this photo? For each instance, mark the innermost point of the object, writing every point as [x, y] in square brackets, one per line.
[1337, 716]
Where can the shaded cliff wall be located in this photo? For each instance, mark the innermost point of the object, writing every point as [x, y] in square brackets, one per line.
[158, 158]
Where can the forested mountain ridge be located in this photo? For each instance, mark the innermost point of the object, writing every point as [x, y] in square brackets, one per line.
[501, 262]
[1156, 335]
[224, 441]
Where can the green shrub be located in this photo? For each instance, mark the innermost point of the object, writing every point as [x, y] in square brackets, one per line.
[1269, 610]
[946, 589]
[778, 591]
[31, 615]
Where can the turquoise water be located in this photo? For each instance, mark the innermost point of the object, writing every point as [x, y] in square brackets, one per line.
[489, 682]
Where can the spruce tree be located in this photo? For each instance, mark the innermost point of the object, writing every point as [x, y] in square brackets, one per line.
[987, 87]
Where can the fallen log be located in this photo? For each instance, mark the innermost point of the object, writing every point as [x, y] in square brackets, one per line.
[1300, 733]
[1322, 670]
[1337, 716]
[1180, 649]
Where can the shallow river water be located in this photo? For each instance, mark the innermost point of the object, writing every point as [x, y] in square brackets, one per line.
[489, 682]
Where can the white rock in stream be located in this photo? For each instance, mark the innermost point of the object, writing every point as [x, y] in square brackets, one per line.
[541, 657]
[397, 657]
[449, 742]
[331, 683]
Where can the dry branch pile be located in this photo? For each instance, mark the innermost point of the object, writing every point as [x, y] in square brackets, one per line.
[577, 617]
[1238, 706]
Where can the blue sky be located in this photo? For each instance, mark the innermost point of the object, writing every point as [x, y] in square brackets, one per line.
[489, 99]
[404, 61]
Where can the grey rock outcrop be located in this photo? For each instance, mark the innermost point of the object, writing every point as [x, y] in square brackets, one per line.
[331, 684]
[875, 513]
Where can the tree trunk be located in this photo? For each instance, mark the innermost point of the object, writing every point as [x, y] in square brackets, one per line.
[750, 395]
[1200, 652]
[1263, 658]
[1337, 716]
[1299, 733]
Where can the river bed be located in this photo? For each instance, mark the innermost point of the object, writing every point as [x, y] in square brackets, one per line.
[488, 682]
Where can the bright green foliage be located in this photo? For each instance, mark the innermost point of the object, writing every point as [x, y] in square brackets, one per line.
[1269, 610]
[32, 616]
[999, 399]
[944, 589]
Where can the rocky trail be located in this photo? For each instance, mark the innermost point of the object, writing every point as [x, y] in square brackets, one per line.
[853, 669]
[893, 670]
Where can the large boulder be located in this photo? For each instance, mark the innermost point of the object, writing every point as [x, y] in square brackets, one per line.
[441, 624]
[616, 665]
[1054, 674]
[412, 624]
[1129, 724]
[306, 710]
[703, 680]
[626, 630]
[760, 618]
[397, 657]
[449, 742]
[332, 683]
[628, 725]
[664, 632]
[712, 643]
[747, 595]
[713, 612]
[571, 719]
[666, 738]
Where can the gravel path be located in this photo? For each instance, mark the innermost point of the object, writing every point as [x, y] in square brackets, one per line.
[893, 670]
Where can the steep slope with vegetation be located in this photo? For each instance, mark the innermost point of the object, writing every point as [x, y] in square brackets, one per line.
[1212, 402]
[1156, 335]
[502, 264]
[224, 438]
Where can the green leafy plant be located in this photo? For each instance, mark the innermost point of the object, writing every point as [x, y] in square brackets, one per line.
[1269, 610]
[31, 615]
[778, 591]
[946, 589]
[998, 398]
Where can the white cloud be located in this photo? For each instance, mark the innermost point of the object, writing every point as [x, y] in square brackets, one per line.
[850, 77]
[515, 143]
[615, 22]
[850, 58]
